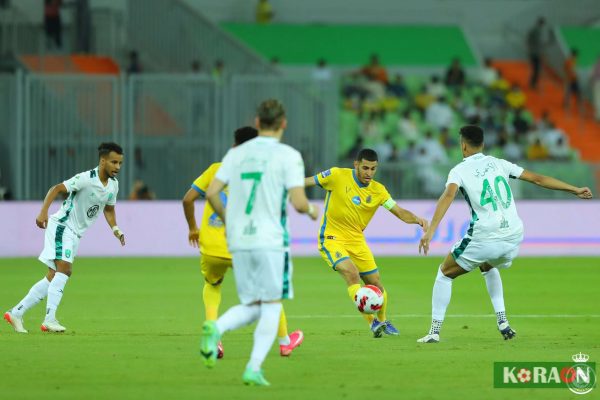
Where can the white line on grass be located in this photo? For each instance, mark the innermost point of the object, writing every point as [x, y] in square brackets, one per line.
[456, 316]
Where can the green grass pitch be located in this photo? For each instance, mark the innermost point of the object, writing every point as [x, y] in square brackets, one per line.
[134, 323]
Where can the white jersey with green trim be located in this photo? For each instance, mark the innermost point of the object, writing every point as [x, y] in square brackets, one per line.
[483, 181]
[259, 174]
[86, 200]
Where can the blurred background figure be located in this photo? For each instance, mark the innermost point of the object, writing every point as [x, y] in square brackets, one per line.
[535, 46]
[141, 191]
[264, 12]
[53, 23]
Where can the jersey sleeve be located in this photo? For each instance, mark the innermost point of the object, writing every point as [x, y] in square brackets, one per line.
[326, 178]
[454, 177]
[294, 173]
[386, 199]
[201, 183]
[77, 182]
[514, 171]
[113, 200]
[224, 172]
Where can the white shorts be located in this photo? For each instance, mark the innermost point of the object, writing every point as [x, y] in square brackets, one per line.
[60, 243]
[263, 275]
[470, 253]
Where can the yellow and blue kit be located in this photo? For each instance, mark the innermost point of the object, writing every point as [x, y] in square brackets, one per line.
[349, 206]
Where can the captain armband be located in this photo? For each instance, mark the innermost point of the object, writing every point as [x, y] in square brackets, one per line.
[389, 204]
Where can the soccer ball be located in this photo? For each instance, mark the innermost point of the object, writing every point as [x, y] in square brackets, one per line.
[368, 299]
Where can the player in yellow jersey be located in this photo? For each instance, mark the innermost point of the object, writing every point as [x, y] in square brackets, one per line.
[215, 258]
[352, 199]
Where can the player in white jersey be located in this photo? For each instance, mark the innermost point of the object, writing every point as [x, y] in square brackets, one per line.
[261, 174]
[496, 231]
[90, 193]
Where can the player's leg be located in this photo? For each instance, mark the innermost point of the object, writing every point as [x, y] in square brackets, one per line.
[213, 269]
[442, 292]
[287, 343]
[369, 273]
[36, 294]
[55, 294]
[237, 316]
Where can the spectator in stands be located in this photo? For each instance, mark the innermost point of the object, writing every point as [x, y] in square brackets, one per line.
[429, 177]
[397, 87]
[322, 72]
[536, 40]
[423, 99]
[395, 156]
[488, 74]
[407, 127]
[409, 154]
[560, 151]
[515, 98]
[551, 136]
[264, 12]
[371, 128]
[439, 114]
[433, 149]
[375, 71]
[510, 149]
[83, 26]
[455, 74]
[572, 88]
[358, 146]
[140, 191]
[436, 87]
[52, 23]
[476, 111]
[595, 78]
[384, 148]
[352, 87]
[134, 67]
[544, 122]
[218, 72]
[520, 124]
[537, 151]
[196, 68]
[446, 140]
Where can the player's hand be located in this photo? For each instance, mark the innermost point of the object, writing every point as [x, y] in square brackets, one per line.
[424, 243]
[120, 235]
[424, 223]
[42, 220]
[313, 212]
[584, 193]
[193, 237]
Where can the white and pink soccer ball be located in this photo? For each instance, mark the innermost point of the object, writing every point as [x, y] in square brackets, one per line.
[368, 299]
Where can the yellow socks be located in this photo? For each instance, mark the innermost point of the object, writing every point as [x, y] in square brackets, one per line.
[212, 299]
[282, 331]
[381, 313]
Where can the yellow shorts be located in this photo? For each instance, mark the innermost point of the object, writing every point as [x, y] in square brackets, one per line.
[214, 268]
[335, 251]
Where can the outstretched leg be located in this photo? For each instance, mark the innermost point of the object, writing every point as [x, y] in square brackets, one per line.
[493, 282]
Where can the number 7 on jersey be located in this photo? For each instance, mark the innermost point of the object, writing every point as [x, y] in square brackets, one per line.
[256, 177]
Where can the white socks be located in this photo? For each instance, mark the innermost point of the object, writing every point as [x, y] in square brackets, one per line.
[55, 293]
[264, 334]
[442, 291]
[494, 287]
[237, 317]
[37, 293]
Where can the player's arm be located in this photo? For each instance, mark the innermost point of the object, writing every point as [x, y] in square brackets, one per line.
[42, 218]
[214, 198]
[405, 215]
[443, 204]
[301, 204]
[111, 218]
[189, 210]
[549, 182]
[310, 181]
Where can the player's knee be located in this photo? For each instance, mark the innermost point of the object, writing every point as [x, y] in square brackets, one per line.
[214, 282]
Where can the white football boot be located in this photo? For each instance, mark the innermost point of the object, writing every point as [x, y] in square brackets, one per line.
[52, 326]
[16, 322]
[430, 338]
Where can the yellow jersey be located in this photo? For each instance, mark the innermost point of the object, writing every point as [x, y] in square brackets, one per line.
[349, 204]
[212, 229]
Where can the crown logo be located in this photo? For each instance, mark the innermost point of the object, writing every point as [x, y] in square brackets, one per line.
[580, 357]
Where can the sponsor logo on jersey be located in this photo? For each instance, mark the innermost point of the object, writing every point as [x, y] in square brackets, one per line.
[93, 210]
[326, 173]
[356, 200]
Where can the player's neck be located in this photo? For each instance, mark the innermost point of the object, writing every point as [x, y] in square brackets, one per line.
[470, 152]
[103, 176]
[274, 134]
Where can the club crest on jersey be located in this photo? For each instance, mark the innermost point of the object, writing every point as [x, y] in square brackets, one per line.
[326, 173]
[368, 200]
[93, 210]
[356, 200]
[110, 196]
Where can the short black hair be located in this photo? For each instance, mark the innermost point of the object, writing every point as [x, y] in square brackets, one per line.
[367, 154]
[244, 134]
[105, 148]
[271, 114]
[472, 134]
